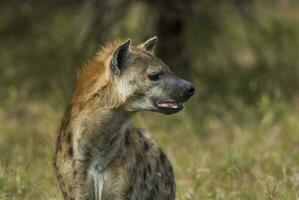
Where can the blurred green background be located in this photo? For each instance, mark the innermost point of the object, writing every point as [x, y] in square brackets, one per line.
[236, 139]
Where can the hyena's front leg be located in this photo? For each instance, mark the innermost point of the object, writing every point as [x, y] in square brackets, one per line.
[84, 185]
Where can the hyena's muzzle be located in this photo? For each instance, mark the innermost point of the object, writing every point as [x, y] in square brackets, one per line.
[174, 92]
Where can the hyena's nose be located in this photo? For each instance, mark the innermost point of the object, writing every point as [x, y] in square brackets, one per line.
[190, 89]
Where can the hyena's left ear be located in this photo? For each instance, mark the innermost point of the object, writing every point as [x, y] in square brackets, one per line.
[120, 57]
[149, 45]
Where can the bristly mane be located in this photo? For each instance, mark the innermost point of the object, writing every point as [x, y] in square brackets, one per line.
[94, 79]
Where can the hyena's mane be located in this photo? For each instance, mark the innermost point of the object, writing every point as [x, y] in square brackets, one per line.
[95, 83]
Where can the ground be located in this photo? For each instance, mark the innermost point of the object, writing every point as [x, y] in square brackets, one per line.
[244, 152]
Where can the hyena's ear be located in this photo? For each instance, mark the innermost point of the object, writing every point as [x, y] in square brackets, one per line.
[120, 57]
[149, 45]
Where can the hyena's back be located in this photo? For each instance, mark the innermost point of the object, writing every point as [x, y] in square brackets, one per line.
[140, 170]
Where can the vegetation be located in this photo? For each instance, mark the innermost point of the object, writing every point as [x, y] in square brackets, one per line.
[236, 139]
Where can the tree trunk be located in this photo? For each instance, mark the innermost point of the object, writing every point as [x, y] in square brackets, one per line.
[170, 27]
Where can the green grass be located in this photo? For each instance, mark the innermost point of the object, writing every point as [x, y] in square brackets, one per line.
[228, 153]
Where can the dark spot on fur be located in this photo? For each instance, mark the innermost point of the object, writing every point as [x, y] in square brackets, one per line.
[62, 183]
[83, 175]
[113, 140]
[59, 177]
[162, 157]
[146, 146]
[130, 191]
[149, 168]
[157, 186]
[75, 173]
[68, 138]
[127, 139]
[172, 188]
[133, 82]
[139, 132]
[70, 151]
[59, 147]
[66, 121]
[64, 124]
[64, 194]
[139, 157]
[144, 174]
[96, 95]
[87, 155]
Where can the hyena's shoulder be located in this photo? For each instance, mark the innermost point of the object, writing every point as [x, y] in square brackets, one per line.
[150, 174]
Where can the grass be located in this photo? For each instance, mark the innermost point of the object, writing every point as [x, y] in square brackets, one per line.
[244, 152]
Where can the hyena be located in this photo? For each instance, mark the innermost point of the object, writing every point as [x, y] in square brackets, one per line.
[99, 154]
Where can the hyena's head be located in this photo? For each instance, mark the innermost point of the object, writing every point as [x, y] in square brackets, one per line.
[145, 81]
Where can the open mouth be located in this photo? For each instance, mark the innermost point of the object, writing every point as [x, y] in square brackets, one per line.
[168, 106]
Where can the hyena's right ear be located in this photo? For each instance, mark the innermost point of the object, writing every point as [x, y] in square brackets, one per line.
[120, 57]
[149, 45]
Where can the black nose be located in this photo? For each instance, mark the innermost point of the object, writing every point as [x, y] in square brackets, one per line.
[190, 88]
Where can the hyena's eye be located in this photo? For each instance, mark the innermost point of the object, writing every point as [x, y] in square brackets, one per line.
[155, 76]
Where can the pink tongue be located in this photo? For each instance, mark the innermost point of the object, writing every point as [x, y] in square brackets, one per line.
[167, 105]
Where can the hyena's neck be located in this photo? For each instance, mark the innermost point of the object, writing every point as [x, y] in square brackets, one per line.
[98, 134]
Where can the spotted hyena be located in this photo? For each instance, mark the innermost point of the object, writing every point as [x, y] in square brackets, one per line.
[99, 154]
